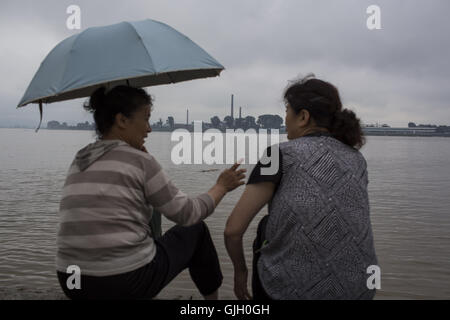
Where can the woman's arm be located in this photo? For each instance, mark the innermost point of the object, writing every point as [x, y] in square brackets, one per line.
[227, 181]
[253, 199]
[166, 198]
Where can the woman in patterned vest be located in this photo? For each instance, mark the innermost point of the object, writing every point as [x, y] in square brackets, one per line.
[316, 242]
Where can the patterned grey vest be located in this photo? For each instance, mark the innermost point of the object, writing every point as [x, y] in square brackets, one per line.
[319, 233]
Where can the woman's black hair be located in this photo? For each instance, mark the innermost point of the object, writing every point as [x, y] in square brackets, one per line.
[323, 103]
[106, 104]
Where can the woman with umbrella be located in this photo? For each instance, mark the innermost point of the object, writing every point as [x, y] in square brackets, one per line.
[114, 188]
[111, 191]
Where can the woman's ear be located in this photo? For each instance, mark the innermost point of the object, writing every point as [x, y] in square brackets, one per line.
[121, 121]
[303, 118]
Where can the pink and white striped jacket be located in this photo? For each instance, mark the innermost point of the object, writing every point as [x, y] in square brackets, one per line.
[107, 202]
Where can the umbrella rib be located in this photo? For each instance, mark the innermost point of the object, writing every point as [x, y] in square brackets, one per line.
[143, 44]
[170, 78]
[70, 53]
[47, 98]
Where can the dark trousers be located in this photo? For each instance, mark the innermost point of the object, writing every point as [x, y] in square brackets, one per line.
[257, 288]
[179, 248]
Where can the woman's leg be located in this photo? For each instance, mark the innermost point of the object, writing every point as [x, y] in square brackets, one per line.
[130, 285]
[192, 247]
[179, 248]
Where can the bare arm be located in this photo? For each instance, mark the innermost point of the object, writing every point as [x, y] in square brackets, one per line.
[253, 199]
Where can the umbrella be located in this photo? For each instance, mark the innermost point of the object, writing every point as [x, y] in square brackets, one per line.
[140, 54]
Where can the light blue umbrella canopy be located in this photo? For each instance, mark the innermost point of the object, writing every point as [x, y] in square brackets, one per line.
[140, 54]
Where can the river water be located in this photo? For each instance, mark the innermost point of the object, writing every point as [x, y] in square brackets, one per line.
[409, 190]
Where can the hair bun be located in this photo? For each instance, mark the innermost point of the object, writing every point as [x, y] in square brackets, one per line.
[346, 127]
[97, 100]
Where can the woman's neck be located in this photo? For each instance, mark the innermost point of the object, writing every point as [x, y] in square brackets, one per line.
[313, 130]
[112, 136]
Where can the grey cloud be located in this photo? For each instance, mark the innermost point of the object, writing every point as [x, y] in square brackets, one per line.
[393, 75]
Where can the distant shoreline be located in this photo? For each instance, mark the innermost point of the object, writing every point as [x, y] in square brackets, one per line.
[388, 132]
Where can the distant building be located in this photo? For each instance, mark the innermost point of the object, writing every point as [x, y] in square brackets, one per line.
[55, 125]
[388, 131]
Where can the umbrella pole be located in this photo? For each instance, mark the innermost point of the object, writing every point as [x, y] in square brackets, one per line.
[40, 112]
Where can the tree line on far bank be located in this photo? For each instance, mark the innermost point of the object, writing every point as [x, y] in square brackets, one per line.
[265, 121]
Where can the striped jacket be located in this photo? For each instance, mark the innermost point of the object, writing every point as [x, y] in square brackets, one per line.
[107, 202]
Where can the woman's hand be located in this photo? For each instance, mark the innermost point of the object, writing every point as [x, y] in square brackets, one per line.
[228, 180]
[240, 285]
[231, 178]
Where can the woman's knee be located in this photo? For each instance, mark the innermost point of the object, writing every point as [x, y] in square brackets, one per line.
[200, 228]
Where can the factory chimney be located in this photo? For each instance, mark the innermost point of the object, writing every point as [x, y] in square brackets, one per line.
[232, 113]
[187, 116]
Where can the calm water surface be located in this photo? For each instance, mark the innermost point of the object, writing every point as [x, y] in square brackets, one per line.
[409, 192]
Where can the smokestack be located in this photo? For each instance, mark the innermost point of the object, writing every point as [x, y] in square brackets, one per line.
[232, 113]
[187, 116]
[240, 109]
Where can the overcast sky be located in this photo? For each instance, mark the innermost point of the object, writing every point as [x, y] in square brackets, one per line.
[398, 74]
